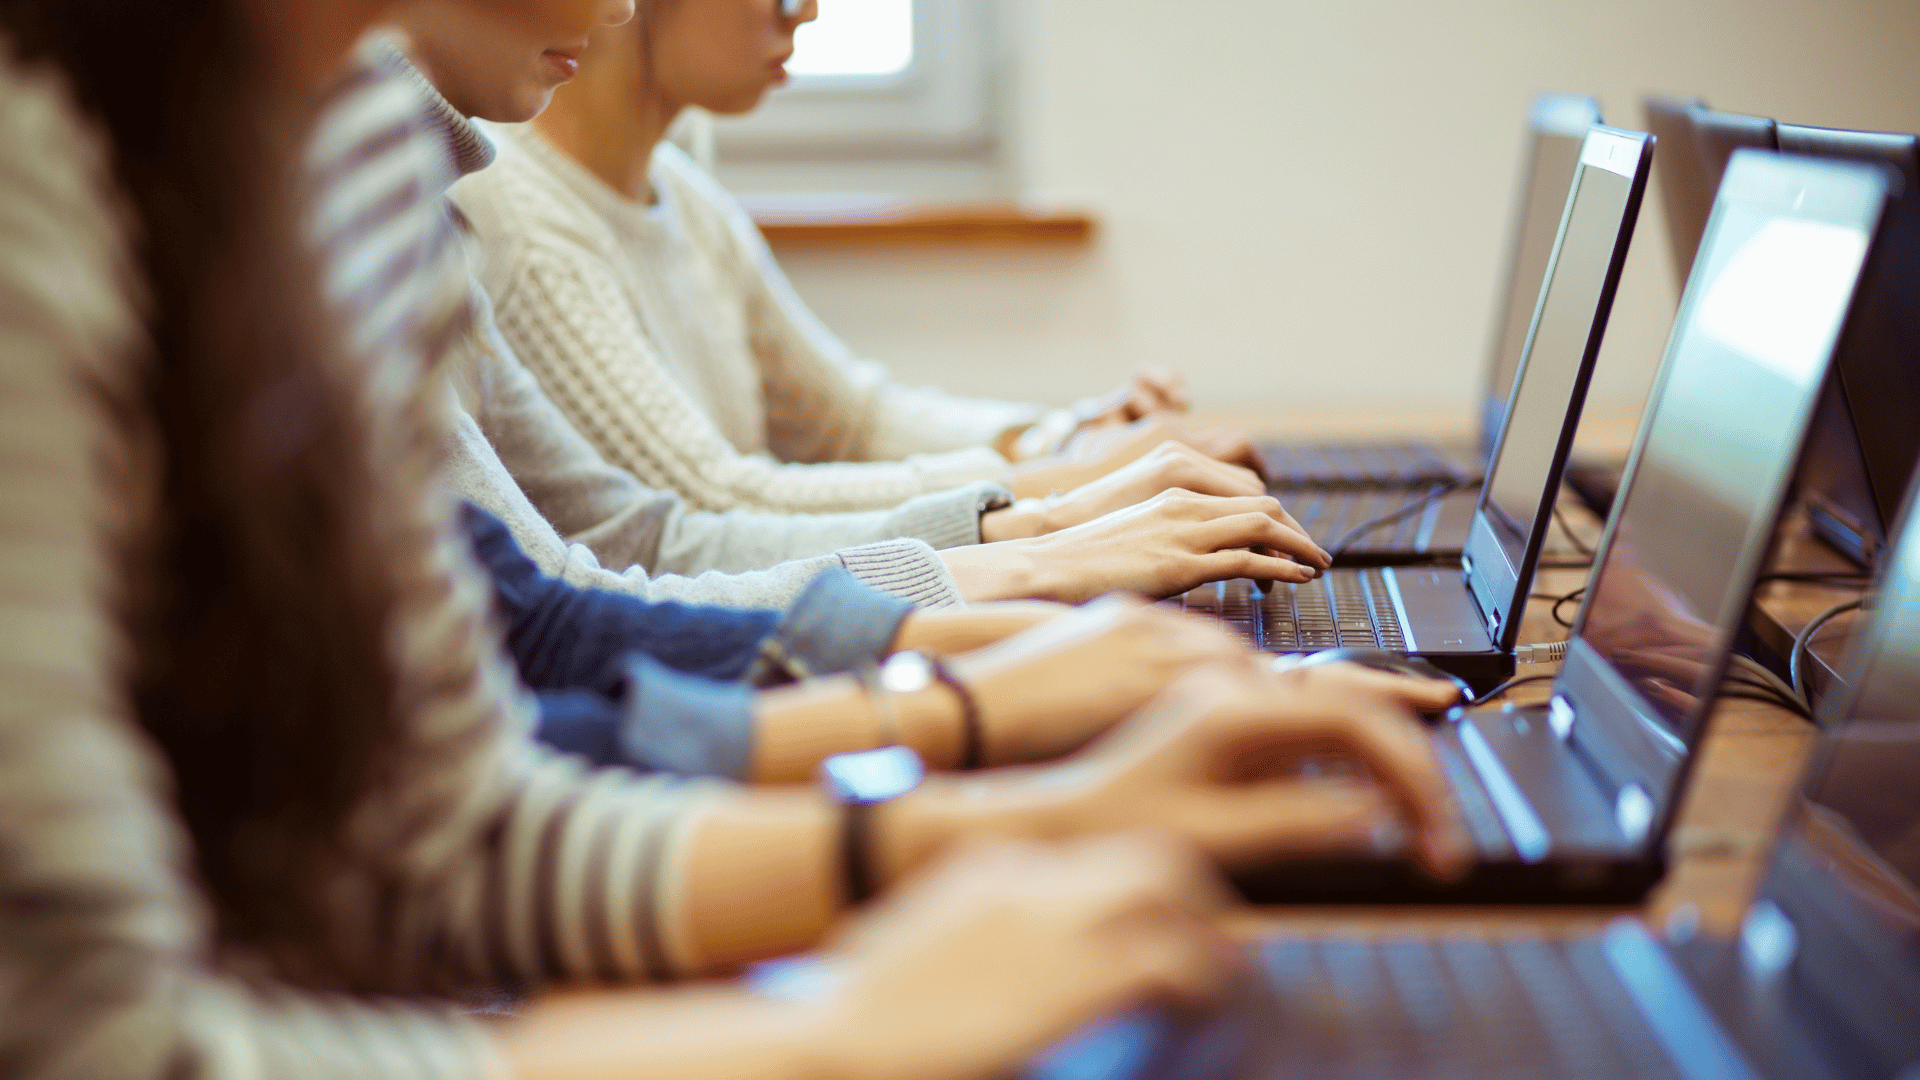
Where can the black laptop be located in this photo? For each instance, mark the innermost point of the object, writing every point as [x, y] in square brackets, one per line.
[1865, 440]
[1821, 982]
[1556, 127]
[1569, 802]
[1466, 620]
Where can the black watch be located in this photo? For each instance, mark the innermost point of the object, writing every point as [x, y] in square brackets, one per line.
[859, 782]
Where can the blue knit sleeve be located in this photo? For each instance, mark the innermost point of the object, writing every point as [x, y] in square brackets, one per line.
[568, 638]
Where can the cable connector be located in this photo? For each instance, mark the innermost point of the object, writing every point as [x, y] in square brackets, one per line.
[1541, 652]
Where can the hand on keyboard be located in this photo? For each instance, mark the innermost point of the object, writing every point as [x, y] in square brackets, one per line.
[1215, 759]
[1166, 545]
[1169, 467]
[1052, 689]
[1000, 952]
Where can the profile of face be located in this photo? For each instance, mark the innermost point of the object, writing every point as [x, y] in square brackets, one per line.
[503, 59]
[722, 55]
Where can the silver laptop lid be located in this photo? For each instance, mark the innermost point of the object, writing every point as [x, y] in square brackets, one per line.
[1563, 343]
[1556, 129]
[1763, 311]
[1838, 918]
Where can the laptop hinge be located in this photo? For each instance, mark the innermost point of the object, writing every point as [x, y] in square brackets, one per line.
[1492, 617]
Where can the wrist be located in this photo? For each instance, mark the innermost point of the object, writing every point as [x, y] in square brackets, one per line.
[1008, 570]
[1025, 518]
[914, 830]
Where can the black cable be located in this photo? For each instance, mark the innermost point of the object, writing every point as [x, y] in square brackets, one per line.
[1440, 491]
[1518, 680]
[1803, 642]
[1560, 518]
[1769, 697]
[1563, 601]
[1339, 547]
[1564, 564]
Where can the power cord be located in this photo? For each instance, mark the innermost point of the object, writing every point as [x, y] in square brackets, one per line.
[1760, 676]
[1803, 642]
[1562, 601]
[1503, 688]
[1440, 491]
[1560, 518]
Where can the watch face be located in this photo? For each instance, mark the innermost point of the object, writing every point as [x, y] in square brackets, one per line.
[906, 673]
[873, 776]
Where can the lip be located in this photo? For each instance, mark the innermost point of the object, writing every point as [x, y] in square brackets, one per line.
[565, 61]
[778, 66]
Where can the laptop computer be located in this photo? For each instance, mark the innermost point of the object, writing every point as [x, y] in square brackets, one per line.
[1466, 620]
[1569, 802]
[1821, 982]
[1865, 442]
[1868, 440]
[1556, 127]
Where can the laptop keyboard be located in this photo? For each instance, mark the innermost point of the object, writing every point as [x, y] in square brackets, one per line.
[1336, 465]
[1345, 608]
[1468, 1006]
[1405, 517]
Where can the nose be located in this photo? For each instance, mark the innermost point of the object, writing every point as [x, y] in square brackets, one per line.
[616, 12]
[799, 11]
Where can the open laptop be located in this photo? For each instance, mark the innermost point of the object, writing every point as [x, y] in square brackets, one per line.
[1822, 981]
[1865, 441]
[1556, 126]
[1466, 620]
[1569, 802]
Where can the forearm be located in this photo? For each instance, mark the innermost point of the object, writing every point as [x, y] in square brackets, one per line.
[694, 1034]
[796, 728]
[761, 873]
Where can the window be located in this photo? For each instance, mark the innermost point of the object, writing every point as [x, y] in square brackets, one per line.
[854, 40]
[879, 80]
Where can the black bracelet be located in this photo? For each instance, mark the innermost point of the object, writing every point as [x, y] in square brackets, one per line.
[856, 847]
[973, 734]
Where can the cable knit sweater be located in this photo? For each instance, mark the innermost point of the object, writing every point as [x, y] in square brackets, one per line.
[670, 338]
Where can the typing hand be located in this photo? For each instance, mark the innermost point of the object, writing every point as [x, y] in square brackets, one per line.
[1001, 951]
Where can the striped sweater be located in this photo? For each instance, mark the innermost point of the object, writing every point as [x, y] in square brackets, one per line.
[484, 862]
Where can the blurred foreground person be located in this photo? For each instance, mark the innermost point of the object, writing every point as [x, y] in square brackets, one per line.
[267, 808]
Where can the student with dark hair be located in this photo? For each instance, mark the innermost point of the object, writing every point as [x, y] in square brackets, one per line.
[267, 808]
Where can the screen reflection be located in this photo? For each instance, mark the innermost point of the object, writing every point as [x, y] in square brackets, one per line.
[1517, 483]
[1745, 367]
[1863, 815]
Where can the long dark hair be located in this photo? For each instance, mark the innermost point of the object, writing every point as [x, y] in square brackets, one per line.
[259, 604]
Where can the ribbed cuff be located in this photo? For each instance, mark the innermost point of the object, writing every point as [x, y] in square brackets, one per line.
[947, 519]
[686, 726]
[835, 626]
[908, 569]
[976, 464]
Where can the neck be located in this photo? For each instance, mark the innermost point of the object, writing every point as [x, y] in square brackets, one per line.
[610, 119]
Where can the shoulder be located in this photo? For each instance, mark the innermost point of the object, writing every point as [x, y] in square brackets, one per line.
[520, 209]
[699, 198]
[64, 248]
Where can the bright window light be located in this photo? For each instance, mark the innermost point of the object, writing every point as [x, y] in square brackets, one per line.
[855, 38]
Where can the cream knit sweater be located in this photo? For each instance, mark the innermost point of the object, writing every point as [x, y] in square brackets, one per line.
[668, 336]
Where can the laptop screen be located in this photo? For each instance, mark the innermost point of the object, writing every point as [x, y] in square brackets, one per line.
[1770, 289]
[1869, 789]
[1569, 321]
[1558, 128]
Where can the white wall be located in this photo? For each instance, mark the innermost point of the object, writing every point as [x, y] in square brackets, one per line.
[1305, 202]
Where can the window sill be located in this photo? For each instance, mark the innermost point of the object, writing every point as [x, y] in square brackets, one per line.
[857, 222]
